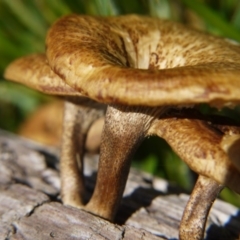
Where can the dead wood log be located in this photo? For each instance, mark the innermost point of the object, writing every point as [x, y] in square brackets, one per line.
[30, 206]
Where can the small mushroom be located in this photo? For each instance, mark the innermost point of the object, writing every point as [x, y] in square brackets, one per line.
[80, 115]
[43, 126]
[145, 71]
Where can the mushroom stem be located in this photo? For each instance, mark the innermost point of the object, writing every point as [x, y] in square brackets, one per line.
[77, 120]
[124, 130]
[199, 204]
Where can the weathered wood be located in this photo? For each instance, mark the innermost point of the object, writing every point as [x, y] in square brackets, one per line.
[30, 205]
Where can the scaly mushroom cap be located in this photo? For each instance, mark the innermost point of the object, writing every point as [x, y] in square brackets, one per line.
[133, 60]
[137, 60]
[35, 72]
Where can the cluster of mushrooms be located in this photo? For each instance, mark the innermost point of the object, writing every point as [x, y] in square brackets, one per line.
[145, 75]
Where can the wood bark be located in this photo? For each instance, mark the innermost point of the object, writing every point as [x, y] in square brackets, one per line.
[30, 205]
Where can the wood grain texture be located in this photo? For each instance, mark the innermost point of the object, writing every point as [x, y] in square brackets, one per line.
[30, 207]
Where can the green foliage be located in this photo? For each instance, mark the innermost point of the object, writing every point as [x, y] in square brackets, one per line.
[23, 26]
[216, 20]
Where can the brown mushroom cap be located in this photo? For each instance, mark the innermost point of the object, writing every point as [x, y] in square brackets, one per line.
[34, 71]
[137, 60]
[133, 60]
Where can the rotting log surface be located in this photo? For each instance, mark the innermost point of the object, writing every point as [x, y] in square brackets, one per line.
[30, 206]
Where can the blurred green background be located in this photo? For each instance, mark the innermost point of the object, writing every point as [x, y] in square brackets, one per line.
[23, 26]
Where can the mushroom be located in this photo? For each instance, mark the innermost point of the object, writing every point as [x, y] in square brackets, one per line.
[146, 72]
[43, 126]
[80, 114]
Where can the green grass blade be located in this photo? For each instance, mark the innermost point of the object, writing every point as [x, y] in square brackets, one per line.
[160, 8]
[213, 18]
[101, 7]
[26, 16]
[236, 16]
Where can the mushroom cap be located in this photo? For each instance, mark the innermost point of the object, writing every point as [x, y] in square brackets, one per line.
[34, 71]
[136, 60]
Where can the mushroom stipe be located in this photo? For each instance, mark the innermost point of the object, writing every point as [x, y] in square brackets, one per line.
[140, 73]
